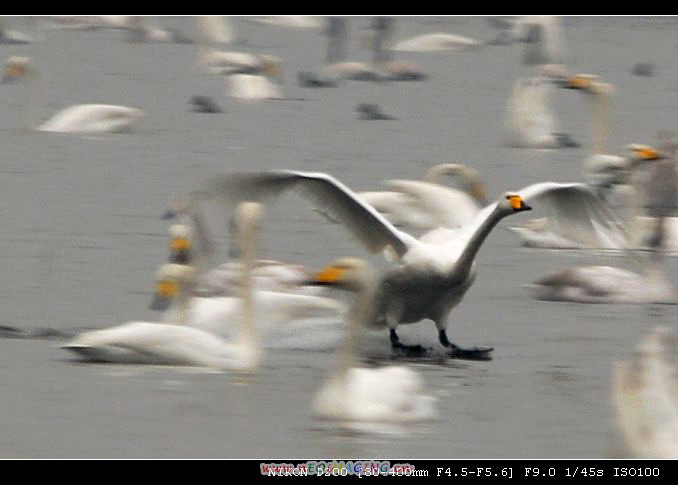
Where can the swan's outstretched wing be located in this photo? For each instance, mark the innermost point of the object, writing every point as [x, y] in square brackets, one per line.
[329, 195]
[575, 212]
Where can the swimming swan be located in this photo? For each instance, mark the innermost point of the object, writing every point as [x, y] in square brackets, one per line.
[174, 343]
[357, 394]
[434, 272]
[82, 118]
[606, 284]
[645, 397]
[436, 42]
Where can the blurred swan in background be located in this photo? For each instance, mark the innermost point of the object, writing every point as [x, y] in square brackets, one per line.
[607, 284]
[215, 29]
[190, 244]
[248, 76]
[645, 397]
[177, 344]
[436, 42]
[529, 121]
[280, 292]
[291, 21]
[433, 272]
[357, 394]
[82, 118]
[8, 36]
[427, 204]
[336, 67]
[557, 230]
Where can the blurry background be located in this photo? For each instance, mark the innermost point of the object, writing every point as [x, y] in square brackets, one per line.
[82, 238]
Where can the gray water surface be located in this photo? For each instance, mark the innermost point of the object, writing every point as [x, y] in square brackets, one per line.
[82, 239]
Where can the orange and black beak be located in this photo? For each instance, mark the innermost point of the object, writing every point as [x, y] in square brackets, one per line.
[517, 203]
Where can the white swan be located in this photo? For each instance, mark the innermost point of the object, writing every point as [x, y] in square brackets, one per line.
[427, 204]
[215, 29]
[12, 36]
[357, 394]
[291, 21]
[382, 67]
[605, 284]
[436, 42]
[174, 343]
[529, 122]
[554, 231]
[82, 118]
[434, 272]
[645, 397]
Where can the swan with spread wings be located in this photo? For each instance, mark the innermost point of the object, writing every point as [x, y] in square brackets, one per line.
[431, 274]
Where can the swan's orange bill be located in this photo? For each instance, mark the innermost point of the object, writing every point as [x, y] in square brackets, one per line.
[166, 289]
[648, 153]
[180, 244]
[516, 201]
[331, 274]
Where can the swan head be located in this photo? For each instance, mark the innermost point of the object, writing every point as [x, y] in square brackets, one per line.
[512, 202]
[639, 154]
[180, 243]
[16, 67]
[352, 274]
[588, 83]
[171, 281]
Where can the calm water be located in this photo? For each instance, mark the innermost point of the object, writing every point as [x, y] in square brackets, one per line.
[82, 238]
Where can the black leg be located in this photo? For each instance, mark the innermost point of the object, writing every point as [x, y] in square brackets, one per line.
[408, 350]
[476, 353]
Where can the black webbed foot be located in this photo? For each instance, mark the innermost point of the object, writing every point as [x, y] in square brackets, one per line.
[476, 353]
[401, 349]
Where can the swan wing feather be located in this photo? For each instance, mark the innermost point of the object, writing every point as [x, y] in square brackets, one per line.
[329, 195]
[575, 211]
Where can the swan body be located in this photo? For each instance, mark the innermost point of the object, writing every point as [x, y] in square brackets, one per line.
[436, 42]
[250, 87]
[434, 272]
[603, 284]
[11, 36]
[162, 344]
[93, 118]
[645, 397]
[292, 21]
[215, 29]
[391, 394]
[226, 62]
[83, 118]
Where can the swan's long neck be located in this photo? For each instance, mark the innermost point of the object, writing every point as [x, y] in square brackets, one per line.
[600, 121]
[336, 34]
[357, 316]
[382, 31]
[434, 174]
[247, 222]
[33, 93]
[178, 313]
[463, 265]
